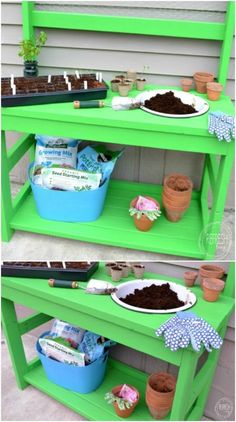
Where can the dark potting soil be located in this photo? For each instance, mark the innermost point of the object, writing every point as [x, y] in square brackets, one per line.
[26, 264]
[168, 103]
[154, 297]
[79, 265]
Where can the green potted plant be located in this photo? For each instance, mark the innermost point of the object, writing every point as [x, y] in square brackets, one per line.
[30, 50]
[124, 399]
[145, 211]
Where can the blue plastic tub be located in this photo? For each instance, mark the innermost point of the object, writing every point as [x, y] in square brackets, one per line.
[68, 206]
[83, 379]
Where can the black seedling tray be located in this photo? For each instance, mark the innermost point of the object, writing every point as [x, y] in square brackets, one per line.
[77, 92]
[71, 274]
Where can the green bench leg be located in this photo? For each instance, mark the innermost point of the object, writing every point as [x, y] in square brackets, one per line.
[200, 403]
[184, 384]
[14, 341]
[7, 208]
[218, 205]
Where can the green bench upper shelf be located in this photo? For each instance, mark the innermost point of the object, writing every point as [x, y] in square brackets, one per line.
[134, 127]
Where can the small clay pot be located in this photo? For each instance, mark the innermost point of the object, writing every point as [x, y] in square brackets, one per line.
[108, 267]
[125, 270]
[210, 271]
[214, 90]
[212, 288]
[114, 85]
[160, 393]
[144, 223]
[116, 273]
[131, 74]
[129, 82]
[186, 84]
[138, 270]
[190, 278]
[140, 84]
[121, 77]
[201, 79]
[123, 89]
[126, 412]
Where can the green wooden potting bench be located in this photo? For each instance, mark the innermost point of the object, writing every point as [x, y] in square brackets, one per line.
[136, 128]
[102, 315]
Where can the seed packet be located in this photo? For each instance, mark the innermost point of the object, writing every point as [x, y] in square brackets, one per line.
[55, 150]
[70, 179]
[94, 346]
[98, 159]
[71, 333]
[61, 351]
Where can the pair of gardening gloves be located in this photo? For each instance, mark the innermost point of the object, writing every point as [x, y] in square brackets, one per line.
[222, 125]
[187, 328]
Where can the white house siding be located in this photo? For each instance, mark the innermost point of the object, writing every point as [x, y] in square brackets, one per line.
[167, 59]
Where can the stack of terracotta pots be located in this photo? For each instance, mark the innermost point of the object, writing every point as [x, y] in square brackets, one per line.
[176, 195]
[201, 79]
[160, 392]
[210, 271]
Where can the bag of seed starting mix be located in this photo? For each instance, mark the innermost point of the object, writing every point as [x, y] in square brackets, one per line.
[69, 179]
[94, 346]
[70, 333]
[53, 150]
[98, 159]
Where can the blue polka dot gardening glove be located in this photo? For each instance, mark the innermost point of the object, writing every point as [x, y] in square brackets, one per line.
[222, 125]
[187, 328]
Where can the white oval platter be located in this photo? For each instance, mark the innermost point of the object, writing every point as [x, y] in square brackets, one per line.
[183, 293]
[200, 104]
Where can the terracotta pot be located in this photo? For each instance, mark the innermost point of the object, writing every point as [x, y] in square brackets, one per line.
[190, 278]
[114, 85]
[108, 266]
[116, 273]
[201, 79]
[210, 271]
[171, 200]
[138, 270]
[126, 412]
[186, 84]
[214, 90]
[172, 179]
[143, 224]
[160, 392]
[212, 288]
[123, 89]
[125, 270]
[140, 84]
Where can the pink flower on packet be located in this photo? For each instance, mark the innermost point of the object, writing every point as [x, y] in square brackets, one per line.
[145, 204]
[128, 393]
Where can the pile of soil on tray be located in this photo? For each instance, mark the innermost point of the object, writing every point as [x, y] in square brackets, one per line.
[154, 297]
[26, 264]
[81, 265]
[169, 104]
